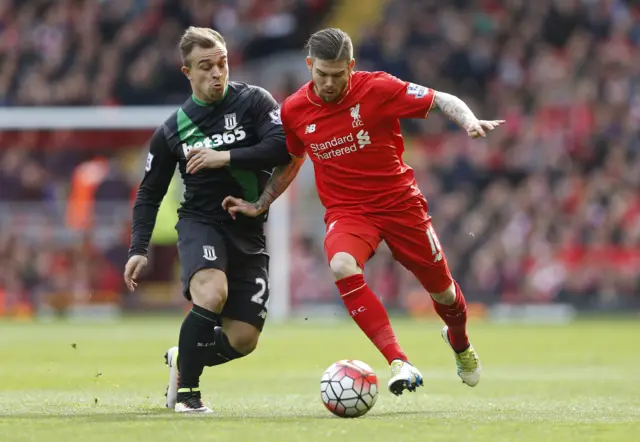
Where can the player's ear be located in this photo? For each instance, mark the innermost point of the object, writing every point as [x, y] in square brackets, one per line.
[352, 64]
[186, 71]
[310, 63]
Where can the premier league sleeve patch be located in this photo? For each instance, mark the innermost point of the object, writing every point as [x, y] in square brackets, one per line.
[416, 90]
[147, 166]
[275, 116]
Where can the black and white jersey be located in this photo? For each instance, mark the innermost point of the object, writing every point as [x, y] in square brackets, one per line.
[246, 121]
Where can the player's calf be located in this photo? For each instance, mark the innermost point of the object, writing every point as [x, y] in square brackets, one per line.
[451, 306]
[243, 337]
[208, 291]
[223, 350]
[368, 312]
[234, 340]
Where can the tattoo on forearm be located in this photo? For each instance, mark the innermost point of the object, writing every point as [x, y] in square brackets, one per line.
[279, 182]
[455, 109]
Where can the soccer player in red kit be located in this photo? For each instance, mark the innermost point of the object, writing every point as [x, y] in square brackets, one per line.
[348, 123]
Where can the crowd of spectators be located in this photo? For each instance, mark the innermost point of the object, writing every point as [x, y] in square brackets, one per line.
[545, 209]
[123, 52]
[548, 207]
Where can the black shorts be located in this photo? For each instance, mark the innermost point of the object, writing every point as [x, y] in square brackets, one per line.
[240, 253]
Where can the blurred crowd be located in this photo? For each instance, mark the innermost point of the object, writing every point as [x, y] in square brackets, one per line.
[548, 207]
[545, 209]
[123, 52]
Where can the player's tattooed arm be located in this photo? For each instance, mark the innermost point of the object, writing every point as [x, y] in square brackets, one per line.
[280, 180]
[455, 109]
[458, 112]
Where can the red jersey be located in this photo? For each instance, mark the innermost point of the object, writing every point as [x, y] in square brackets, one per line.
[355, 143]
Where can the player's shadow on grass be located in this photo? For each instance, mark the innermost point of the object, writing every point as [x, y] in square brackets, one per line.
[169, 415]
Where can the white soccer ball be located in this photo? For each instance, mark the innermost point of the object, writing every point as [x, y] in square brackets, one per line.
[349, 388]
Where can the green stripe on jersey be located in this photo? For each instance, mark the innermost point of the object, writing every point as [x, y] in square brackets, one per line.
[187, 128]
[248, 180]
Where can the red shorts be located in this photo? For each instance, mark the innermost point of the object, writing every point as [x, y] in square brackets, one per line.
[408, 233]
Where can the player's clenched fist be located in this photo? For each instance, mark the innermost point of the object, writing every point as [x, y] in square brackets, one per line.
[132, 270]
[479, 128]
[235, 205]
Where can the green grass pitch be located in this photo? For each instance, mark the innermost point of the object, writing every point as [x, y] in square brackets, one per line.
[105, 382]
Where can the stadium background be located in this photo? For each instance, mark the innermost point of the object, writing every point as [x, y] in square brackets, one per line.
[544, 212]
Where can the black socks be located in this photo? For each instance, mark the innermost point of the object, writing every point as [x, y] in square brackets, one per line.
[196, 340]
[222, 351]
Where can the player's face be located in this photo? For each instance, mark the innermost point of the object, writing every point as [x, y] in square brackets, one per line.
[208, 72]
[330, 78]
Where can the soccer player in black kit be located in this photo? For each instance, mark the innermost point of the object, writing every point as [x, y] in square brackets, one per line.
[223, 261]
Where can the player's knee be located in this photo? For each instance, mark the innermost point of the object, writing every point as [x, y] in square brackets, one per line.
[446, 297]
[343, 265]
[208, 289]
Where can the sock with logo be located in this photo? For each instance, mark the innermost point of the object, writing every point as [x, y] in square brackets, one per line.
[222, 350]
[197, 334]
[368, 312]
[455, 316]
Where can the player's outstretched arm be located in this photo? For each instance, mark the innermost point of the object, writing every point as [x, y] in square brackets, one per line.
[280, 180]
[458, 111]
[159, 170]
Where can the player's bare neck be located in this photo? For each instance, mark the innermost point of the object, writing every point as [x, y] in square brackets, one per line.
[200, 100]
[206, 101]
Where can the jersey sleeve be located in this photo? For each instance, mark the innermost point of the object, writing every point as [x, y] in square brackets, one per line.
[159, 169]
[402, 99]
[295, 146]
[271, 150]
[267, 114]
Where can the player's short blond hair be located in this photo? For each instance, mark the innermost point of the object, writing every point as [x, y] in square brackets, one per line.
[205, 38]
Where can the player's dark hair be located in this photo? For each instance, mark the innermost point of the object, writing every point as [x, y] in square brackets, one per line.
[331, 44]
[205, 38]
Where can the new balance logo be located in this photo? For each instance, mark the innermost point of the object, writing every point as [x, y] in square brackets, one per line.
[310, 129]
[363, 138]
[263, 314]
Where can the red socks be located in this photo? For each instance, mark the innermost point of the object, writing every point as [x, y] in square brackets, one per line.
[455, 316]
[368, 312]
